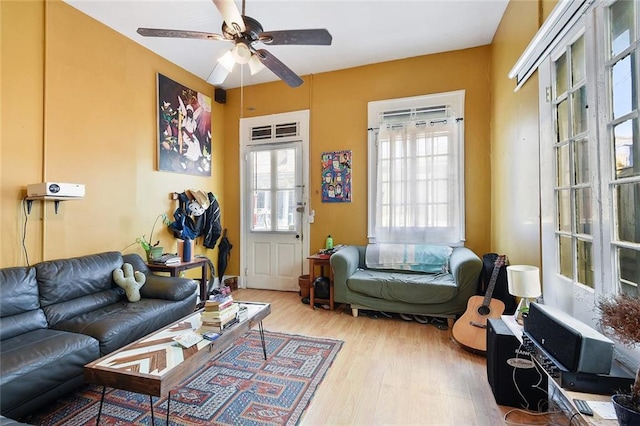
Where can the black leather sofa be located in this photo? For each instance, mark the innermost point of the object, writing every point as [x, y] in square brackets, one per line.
[57, 316]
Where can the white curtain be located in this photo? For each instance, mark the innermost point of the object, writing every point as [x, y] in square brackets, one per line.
[418, 198]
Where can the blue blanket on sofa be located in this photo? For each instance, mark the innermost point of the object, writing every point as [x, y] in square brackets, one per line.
[408, 257]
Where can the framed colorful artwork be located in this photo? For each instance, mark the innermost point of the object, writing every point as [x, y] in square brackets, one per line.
[184, 129]
[336, 177]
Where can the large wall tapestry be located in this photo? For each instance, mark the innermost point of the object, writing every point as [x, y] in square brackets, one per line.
[184, 134]
[336, 176]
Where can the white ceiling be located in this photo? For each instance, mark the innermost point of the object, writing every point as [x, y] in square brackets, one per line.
[364, 31]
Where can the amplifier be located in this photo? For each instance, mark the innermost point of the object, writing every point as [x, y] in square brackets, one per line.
[605, 384]
[569, 342]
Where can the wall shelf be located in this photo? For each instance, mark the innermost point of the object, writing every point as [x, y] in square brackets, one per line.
[55, 199]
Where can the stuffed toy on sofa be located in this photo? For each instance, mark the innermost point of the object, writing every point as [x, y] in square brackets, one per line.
[130, 281]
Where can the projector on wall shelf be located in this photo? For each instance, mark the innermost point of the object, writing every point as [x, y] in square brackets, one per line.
[56, 189]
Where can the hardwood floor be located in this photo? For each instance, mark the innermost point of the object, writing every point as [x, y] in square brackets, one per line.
[389, 371]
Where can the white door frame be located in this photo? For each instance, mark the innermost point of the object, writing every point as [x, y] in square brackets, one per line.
[301, 117]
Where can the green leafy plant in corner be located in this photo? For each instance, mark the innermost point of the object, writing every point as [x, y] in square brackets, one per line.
[620, 316]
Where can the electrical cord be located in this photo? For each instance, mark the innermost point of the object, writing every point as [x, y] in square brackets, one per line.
[548, 422]
[24, 230]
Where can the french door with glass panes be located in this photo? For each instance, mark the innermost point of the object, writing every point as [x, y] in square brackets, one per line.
[590, 160]
[274, 203]
[569, 173]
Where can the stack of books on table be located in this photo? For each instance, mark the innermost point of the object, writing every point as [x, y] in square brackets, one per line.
[167, 259]
[220, 312]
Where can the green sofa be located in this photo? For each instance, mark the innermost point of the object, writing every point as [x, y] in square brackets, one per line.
[433, 294]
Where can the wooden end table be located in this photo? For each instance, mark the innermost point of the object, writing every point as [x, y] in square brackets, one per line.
[322, 261]
[175, 269]
[155, 364]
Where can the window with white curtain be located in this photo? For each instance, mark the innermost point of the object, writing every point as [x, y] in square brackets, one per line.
[416, 173]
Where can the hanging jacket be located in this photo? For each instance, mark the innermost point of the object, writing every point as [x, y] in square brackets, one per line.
[206, 225]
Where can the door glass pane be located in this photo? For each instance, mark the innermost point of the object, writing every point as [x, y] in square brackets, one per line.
[286, 168]
[261, 211]
[564, 210]
[578, 69]
[262, 170]
[625, 140]
[622, 29]
[621, 86]
[286, 210]
[581, 160]
[583, 211]
[585, 264]
[561, 75]
[563, 121]
[566, 256]
[562, 159]
[628, 212]
[579, 104]
[629, 266]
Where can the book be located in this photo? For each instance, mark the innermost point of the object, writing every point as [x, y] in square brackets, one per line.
[216, 306]
[167, 259]
[232, 308]
[188, 339]
[220, 324]
[243, 313]
[215, 318]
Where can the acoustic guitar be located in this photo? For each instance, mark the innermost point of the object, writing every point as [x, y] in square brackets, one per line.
[470, 331]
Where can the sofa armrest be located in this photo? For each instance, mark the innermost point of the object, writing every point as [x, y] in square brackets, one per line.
[465, 267]
[168, 288]
[344, 263]
[158, 286]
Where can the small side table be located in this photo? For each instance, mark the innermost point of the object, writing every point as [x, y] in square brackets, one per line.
[175, 269]
[321, 260]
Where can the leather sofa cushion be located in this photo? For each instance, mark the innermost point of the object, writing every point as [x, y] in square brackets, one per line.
[41, 359]
[417, 288]
[19, 305]
[68, 280]
[119, 324]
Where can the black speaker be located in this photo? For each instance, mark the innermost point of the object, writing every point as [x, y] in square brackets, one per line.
[515, 379]
[220, 95]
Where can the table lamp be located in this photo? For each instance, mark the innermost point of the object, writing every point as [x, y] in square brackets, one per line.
[524, 282]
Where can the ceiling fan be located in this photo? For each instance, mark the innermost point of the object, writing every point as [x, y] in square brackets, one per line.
[246, 32]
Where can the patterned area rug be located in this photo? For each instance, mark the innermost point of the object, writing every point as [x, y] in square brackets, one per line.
[237, 387]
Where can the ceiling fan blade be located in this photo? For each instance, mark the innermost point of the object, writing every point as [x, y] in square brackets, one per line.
[230, 14]
[318, 36]
[278, 68]
[218, 74]
[159, 32]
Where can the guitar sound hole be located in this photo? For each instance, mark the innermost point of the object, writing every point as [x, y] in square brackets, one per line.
[483, 310]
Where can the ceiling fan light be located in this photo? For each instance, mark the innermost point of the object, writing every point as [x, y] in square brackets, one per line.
[241, 53]
[227, 61]
[255, 66]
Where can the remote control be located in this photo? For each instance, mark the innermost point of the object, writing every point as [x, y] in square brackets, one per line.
[583, 407]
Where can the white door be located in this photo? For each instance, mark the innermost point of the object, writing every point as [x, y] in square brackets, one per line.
[274, 207]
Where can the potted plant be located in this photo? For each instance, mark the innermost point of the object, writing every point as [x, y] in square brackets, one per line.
[152, 250]
[620, 315]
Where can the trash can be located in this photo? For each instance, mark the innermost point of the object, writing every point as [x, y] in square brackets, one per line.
[303, 282]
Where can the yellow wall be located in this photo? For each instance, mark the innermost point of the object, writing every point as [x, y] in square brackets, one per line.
[338, 108]
[515, 194]
[79, 105]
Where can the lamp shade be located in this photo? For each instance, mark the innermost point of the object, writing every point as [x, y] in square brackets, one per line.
[524, 281]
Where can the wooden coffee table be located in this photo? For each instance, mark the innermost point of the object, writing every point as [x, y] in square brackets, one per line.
[156, 364]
